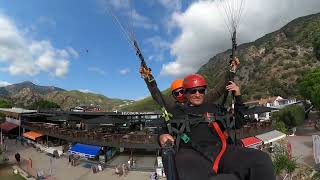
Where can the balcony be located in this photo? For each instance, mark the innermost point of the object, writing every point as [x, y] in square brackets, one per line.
[96, 137]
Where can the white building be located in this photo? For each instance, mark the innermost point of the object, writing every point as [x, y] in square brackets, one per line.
[276, 102]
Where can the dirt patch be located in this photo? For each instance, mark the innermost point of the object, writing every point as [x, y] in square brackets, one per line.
[308, 144]
[5, 170]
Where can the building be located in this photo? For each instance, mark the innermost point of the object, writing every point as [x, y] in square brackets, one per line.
[13, 118]
[79, 126]
[264, 140]
[252, 142]
[85, 108]
[264, 107]
[275, 102]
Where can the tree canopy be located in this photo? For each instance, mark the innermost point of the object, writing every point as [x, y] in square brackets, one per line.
[291, 116]
[316, 48]
[5, 104]
[43, 104]
[309, 87]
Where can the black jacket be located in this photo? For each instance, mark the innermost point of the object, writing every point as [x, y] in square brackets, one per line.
[203, 138]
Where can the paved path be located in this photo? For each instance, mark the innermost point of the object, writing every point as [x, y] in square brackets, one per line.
[302, 149]
[302, 145]
[61, 170]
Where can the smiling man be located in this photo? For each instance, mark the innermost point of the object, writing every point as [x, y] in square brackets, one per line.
[204, 152]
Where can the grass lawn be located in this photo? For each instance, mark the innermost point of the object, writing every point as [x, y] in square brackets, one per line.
[6, 173]
[12, 177]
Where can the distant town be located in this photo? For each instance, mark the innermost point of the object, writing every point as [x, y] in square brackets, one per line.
[86, 134]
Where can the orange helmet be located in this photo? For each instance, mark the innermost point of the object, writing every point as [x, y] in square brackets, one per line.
[176, 84]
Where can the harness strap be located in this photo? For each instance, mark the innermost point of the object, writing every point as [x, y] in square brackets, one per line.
[185, 125]
[215, 166]
[181, 130]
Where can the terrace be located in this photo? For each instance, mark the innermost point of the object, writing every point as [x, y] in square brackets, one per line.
[97, 136]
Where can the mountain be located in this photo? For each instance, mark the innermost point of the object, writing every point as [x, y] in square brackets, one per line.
[270, 66]
[42, 90]
[68, 99]
[26, 93]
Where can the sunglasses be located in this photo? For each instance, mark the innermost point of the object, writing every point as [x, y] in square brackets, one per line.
[195, 90]
[177, 93]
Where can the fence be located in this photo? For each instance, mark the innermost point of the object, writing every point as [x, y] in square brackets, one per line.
[44, 173]
[316, 148]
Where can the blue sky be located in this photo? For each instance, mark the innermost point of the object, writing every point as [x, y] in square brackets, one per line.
[75, 44]
[84, 25]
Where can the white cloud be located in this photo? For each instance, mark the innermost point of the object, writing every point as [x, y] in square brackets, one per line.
[158, 42]
[4, 83]
[25, 56]
[72, 52]
[127, 14]
[142, 21]
[203, 32]
[172, 5]
[119, 4]
[124, 71]
[97, 70]
[159, 47]
[61, 68]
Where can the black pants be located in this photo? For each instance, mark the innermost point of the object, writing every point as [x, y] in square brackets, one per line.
[237, 163]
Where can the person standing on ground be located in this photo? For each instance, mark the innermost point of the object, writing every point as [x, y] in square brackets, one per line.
[29, 164]
[50, 166]
[69, 159]
[17, 156]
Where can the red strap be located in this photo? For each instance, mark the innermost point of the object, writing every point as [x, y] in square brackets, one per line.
[223, 148]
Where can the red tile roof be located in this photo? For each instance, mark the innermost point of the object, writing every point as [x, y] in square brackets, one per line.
[250, 141]
[7, 126]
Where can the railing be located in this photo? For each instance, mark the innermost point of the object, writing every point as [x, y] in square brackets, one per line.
[13, 121]
[130, 140]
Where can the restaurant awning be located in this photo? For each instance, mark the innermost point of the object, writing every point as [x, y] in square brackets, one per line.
[85, 150]
[7, 126]
[251, 141]
[32, 135]
[271, 136]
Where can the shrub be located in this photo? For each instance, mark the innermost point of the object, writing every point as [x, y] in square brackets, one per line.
[282, 162]
[291, 116]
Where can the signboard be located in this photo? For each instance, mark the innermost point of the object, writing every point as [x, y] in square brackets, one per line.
[139, 113]
[289, 149]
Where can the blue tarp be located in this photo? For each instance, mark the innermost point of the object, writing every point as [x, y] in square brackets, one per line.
[85, 150]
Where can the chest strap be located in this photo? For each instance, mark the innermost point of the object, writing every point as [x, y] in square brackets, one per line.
[216, 127]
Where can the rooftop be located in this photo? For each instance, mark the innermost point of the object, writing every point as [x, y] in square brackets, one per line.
[18, 110]
[271, 136]
[264, 100]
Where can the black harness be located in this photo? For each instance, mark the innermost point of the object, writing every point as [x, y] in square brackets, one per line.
[180, 127]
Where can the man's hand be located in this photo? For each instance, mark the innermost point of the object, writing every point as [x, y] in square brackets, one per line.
[164, 138]
[145, 72]
[234, 64]
[233, 87]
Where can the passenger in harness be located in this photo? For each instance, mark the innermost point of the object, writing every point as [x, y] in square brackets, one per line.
[202, 150]
[177, 91]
